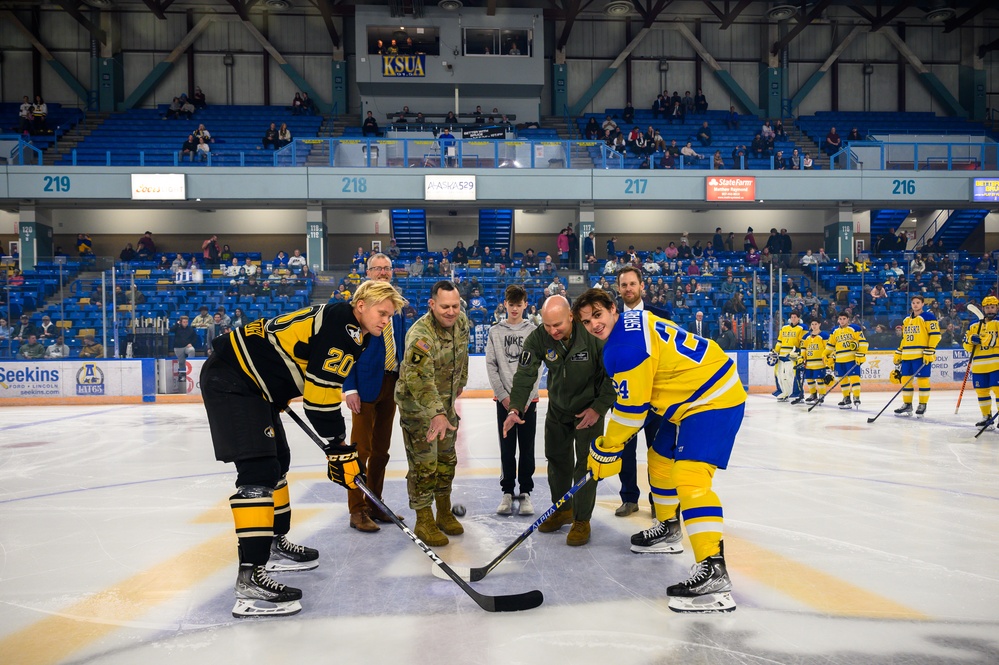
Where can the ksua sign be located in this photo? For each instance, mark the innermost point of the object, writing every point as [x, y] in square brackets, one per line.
[158, 187]
[728, 188]
[404, 65]
[449, 188]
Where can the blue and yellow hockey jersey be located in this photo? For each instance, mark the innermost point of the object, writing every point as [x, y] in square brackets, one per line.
[790, 339]
[987, 352]
[919, 333]
[813, 347]
[657, 365]
[846, 342]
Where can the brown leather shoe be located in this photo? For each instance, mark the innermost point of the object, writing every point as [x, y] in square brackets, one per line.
[379, 516]
[579, 534]
[362, 522]
[556, 521]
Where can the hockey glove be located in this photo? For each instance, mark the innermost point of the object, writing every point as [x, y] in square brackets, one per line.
[975, 339]
[896, 376]
[860, 359]
[929, 355]
[828, 378]
[772, 359]
[343, 465]
[896, 359]
[604, 462]
[830, 362]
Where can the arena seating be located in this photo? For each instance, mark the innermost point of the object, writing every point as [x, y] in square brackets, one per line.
[59, 120]
[236, 130]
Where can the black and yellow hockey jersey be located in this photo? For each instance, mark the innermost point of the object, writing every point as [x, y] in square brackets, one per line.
[307, 353]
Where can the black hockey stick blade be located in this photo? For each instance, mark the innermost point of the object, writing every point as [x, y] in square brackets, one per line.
[476, 574]
[988, 422]
[513, 603]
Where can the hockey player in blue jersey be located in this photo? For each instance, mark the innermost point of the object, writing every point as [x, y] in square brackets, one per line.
[658, 367]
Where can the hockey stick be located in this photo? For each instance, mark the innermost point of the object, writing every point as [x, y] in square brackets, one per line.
[988, 423]
[513, 603]
[831, 388]
[978, 313]
[476, 574]
[904, 386]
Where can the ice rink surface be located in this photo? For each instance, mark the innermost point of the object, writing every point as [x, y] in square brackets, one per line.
[847, 543]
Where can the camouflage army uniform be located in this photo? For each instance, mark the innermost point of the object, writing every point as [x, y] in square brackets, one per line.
[434, 370]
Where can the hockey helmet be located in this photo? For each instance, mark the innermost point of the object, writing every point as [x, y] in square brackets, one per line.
[989, 300]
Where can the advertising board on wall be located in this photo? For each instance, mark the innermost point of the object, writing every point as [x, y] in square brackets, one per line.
[79, 377]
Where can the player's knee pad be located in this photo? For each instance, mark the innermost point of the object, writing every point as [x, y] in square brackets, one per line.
[265, 471]
[924, 383]
[692, 479]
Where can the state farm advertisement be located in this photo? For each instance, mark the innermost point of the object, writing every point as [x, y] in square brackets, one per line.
[730, 188]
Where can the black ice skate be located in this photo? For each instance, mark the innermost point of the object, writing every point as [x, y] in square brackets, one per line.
[856, 402]
[798, 400]
[846, 403]
[287, 556]
[708, 589]
[920, 410]
[812, 399]
[988, 422]
[663, 538]
[904, 410]
[257, 594]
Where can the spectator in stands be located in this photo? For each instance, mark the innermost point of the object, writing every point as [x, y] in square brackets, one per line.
[530, 259]
[127, 254]
[296, 260]
[24, 116]
[370, 126]
[477, 304]
[758, 148]
[688, 103]
[239, 319]
[794, 163]
[627, 116]
[562, 243]
[833, 142]
[732, 119]
[676, 111]
[145, 247]
[24, 329]
[548, 266]
[854, 135]
[667, 161]
[393, 250]
[739, 156]
[91, 349]
[202, 133]
[917, 267]
[203, 150]
[210, 251]
[226, 256]
[59, 349]
[749, 240]
[48, 330]
[285, 289]
[431, 269]
[296, 103]
[901, 241]
[164, 263]
[284, 135]
[5, 330]
[779, 163]
[270, 137]
[250, 288]
[752, 258]
[779, 133]
[198, 99]
[308, 106]
[690, 155]
[459, 255]
[203, 320]
[488, 258]
[806, 162]
[84, 245]
[173, 111]
[609, 124]
[704, 134]
[592, 130]
[504, 259]
[474, 250]
[767, 131]
[718, 161]
[416, 267]
[281, 260]
[734, 306]
[39, 114]
[31, 349]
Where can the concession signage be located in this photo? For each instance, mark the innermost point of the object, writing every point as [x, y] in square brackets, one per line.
[728, 188]
[986, 190]
[158, 187]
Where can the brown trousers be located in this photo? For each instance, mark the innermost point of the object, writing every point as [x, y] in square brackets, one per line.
[372, 432]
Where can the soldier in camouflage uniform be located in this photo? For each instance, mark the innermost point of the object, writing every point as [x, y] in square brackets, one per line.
[433, 373]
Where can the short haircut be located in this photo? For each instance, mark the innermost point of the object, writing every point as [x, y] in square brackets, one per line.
[592, 298]
[627, 269]
[442, 285]
[515, 293]
[918, 297]
[378, 255]
[372, 293]
[842, 313]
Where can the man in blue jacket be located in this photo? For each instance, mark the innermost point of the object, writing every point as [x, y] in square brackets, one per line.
[369, 392]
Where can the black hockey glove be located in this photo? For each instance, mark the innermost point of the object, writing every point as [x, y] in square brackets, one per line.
[343, 465]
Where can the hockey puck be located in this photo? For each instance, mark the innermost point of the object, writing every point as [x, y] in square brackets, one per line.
[458, 510]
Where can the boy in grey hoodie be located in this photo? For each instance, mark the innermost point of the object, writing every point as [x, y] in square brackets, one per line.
[506, 341]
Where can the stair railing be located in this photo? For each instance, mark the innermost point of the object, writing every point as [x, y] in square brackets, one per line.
[933, 228]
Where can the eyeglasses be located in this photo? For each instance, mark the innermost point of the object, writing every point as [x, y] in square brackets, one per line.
[380, 269]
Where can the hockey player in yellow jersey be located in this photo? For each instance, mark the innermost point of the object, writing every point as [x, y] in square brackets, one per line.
[846, 352]
[813, 348]
[915, 355]
[692, 383]
[788, 352]
[982, 340]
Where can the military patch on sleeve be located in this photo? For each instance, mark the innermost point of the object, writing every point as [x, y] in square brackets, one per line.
[422, 345]
[525, 358]
[416, 358]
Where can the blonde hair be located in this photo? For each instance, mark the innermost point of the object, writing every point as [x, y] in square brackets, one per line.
[373, 293]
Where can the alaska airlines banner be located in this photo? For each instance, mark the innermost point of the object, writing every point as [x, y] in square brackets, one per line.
[404, 65]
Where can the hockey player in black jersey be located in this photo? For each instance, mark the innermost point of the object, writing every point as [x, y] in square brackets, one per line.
[252, 374]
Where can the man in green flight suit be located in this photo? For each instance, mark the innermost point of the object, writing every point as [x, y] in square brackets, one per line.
[579, 393]
[433, 373]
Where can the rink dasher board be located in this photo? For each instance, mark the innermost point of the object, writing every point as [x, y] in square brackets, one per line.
[77, 380]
